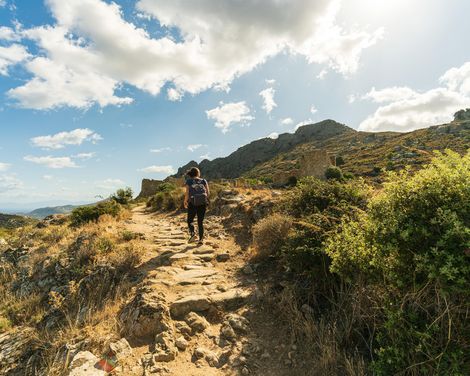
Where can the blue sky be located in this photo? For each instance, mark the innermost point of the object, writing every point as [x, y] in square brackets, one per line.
[96, 95]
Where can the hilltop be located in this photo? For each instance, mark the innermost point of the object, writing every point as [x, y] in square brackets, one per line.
[358, 153]
[41, 213]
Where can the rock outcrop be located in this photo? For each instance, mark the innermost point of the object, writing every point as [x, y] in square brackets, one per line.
[259, 151]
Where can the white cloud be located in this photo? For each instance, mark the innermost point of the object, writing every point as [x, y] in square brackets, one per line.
[322, 74]
[205, 156]
[352, 98]
[390, 94]
[47, 177]
[160, 150]
[270, 81]
[11, 55]
[313, 109]
[158, 169]
[3, 3]
[4, 166]
[110, 184]
[287, 121]
[174, 95]
[91, 50]
[268, 99]
[273, 135]
[84, 156]
[194, 147]
[302, 123]
[10, 183]
[62, 139]
[404, 109]
[52, 162]
[8, 34]
[230, 113]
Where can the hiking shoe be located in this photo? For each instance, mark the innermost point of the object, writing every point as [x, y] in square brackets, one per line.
[200, 242]
[191, 237]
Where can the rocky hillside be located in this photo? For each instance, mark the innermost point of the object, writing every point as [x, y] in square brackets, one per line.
[10, 221]
[260, 151]
[359, 153]
[44, 212]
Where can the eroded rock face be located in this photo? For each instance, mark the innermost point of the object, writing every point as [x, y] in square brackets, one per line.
[13, 348]
[147, 314]
[165, 347]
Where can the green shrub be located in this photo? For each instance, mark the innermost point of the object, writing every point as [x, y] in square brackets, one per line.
[123, 196]
[270, 233]
[333, 172]
[414, 239]
[417, 229]
[168, 198]
[127, 235]
[92, 213]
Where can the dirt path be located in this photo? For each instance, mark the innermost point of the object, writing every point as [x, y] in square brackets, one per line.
[195, 310]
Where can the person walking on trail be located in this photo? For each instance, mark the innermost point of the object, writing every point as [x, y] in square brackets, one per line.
[196, 200]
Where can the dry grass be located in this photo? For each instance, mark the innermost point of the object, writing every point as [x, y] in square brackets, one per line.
[270, 233]
[323, 339]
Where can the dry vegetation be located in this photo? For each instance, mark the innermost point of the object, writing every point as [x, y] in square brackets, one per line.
[67, 283]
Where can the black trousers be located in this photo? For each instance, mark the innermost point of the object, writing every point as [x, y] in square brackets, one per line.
[200, 211]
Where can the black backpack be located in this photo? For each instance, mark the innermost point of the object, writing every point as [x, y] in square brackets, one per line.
[198, 191]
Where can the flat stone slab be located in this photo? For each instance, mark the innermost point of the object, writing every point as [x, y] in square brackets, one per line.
[206, 257]
[231, 299]
[194, 267]
[196, 273]
[192, 303]
[178, 256]
[202, 250]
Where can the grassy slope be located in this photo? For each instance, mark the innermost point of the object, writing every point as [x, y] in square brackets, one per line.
[363, 152]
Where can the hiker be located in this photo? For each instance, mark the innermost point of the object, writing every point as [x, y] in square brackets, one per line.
[196, 200]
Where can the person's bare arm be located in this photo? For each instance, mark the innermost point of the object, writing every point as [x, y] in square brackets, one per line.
[207, 187]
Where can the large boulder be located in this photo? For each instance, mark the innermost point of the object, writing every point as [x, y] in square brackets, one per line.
[146, 315]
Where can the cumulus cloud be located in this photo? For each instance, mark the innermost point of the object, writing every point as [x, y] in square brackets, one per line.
[273, 135]
[322, 74]
[160, 150]
[90, 51]
[158, 169]
[287, 121]
[10, 183]
[3, 3]
[11, 55]
[227, 114]
[404, 109]
[8, 34]
[194, 147]
[52, 162]
[302, 123]
[62, 139]
[84, 156]
[110, 184]
[313, 109]
[390, 94]
[4, 166]
[268, 99]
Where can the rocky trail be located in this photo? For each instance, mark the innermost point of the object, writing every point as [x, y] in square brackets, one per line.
[195, 310]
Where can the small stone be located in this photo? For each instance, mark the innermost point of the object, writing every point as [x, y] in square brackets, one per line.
[212, 359]
[181, 343]
[222, 257]
[196, 323]
[190, 303]
[245, 371]
[199, 352]
[237, 322]
[248, 270]
[183, 328]
[227, 331]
